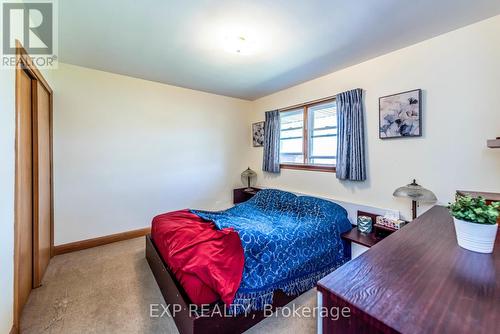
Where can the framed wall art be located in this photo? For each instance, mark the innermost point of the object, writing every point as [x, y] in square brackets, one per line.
[400, 115]
[258, 134]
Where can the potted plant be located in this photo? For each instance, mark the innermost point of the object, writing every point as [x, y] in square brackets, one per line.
[475, 223]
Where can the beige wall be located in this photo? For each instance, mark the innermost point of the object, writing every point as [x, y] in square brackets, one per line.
[459, 73]
[7, 155]
[127, 149]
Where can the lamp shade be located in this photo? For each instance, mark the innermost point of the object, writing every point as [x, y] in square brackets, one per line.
[415, 192]
[247, 175]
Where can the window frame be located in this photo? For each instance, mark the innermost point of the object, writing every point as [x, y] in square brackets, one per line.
[305, 142]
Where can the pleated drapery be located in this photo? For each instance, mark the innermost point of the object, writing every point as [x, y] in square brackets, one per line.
[351, 163]
[271, 161]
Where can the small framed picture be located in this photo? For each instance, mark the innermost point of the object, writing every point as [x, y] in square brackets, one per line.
[400, 115]
[258, 134]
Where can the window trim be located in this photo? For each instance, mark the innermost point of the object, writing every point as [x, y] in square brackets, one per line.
[316, 168]
[305, 141]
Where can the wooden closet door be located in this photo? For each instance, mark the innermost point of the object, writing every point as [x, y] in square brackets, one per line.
[33, 200]
[42, 235]
[24, 191]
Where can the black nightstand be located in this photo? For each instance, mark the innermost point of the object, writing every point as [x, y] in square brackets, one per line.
[241, 195]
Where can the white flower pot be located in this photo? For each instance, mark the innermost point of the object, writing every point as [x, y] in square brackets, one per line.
[476, 237]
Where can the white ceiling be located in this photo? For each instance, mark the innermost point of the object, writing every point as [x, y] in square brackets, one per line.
[178, 42]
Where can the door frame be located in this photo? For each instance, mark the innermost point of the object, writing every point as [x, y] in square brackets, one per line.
[24, 63]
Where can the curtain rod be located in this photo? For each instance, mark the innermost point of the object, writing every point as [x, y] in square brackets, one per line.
[332, 97]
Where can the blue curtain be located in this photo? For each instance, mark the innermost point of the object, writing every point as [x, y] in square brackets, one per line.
[271, 161]
[350, 136]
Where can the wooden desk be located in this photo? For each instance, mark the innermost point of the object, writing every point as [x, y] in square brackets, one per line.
[417, 281]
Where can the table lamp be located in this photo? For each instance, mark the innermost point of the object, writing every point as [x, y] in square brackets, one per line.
[416, 193]
[248, 174]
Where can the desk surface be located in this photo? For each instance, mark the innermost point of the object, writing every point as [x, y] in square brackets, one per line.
[420, 281]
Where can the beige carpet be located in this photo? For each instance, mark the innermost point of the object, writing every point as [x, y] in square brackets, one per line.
[109, 289]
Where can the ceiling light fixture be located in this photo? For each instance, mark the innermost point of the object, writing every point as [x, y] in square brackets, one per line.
[239, 44]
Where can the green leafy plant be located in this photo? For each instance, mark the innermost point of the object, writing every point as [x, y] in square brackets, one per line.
[475, 210]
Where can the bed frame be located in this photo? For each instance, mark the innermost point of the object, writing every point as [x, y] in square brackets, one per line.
[213, 322]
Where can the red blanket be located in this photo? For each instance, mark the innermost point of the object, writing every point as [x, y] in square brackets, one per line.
[207, 262]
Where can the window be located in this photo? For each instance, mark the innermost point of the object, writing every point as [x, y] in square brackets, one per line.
[292, 136]
[308, 137]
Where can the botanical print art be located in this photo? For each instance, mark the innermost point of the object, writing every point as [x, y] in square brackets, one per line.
[400, 115]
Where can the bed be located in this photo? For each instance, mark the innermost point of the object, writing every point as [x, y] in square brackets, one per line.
[257, 255]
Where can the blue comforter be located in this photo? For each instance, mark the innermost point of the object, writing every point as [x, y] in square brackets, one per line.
[289, 243]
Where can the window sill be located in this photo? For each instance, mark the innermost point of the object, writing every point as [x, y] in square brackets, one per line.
[316, 168]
